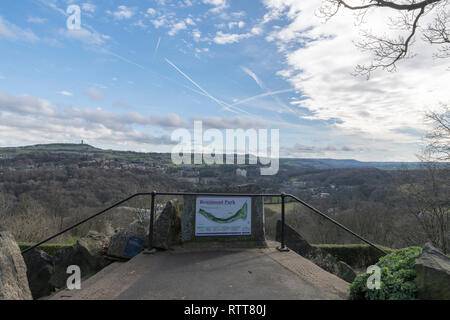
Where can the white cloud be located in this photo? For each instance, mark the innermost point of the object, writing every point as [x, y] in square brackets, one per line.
[25, 104]
[322, 70]
[66, 93]
[238, 14]
[94, 94]
[227, 38]
[140, 23]
[84, 35]
[196, 34]
[151, 11]
[88, 7]
[26, 119]
[256, 31]
[237, 122]
[12, 32]
[177, 27]
[123, 12]
[239, 24]
[190, 21]
[219, 5]
[36, 20]
[198, 50]
[159, 22]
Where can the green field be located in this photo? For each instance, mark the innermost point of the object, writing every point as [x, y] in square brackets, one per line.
[277, 207]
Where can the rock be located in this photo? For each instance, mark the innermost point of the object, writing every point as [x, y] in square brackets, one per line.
[13, 271]
[139, 229]
[432, 274]
[127, 243]
[95, 244]
[87, 253]
[108, 229]
[124, 245]
[326, 261]
[167, 227]
[40, 268]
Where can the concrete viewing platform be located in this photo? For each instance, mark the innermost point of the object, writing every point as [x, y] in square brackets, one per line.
[212, 273]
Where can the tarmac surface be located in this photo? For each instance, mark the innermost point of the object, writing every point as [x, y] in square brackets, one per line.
[212, 274]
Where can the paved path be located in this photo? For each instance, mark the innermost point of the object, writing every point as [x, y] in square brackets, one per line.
[241, 274]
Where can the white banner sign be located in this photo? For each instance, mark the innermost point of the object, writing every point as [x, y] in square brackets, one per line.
[223, 216]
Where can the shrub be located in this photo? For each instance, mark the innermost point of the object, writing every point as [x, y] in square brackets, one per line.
[397, 278]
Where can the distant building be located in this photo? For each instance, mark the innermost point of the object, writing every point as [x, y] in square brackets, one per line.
[241, 172]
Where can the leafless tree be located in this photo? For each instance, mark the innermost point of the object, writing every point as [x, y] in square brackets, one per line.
[438, 139]
[430, 204]
[28, 221]
[5, 206]
[408, 18]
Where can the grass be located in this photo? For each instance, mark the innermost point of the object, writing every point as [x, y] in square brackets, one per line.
[50, 248]
[277, 207]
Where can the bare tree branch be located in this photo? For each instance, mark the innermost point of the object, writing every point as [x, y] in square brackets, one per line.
[387, 4]
[438, 33]
[386, 50]
[439, 137]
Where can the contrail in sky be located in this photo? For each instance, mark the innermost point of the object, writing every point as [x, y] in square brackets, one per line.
[270, 93]
[157, 47]
[231, 108]
[262, 86]
[221, 103]
[254, 76]
[127, 60]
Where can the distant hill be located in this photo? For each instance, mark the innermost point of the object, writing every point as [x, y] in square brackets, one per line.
[53, 148]
[86, 149]
[347, 163]
[165, 158]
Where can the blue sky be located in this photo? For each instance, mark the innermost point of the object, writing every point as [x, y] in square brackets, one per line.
[137, 70]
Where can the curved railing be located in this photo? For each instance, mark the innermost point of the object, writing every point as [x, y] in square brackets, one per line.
[152, 214]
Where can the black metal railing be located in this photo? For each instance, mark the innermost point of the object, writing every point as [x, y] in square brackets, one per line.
[153, 195]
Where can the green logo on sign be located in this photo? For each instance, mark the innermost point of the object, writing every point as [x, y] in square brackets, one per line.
[241, 214]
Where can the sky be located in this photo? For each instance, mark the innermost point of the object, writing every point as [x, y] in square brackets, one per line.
[138, 70]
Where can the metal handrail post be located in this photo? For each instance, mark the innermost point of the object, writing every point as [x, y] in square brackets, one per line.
[283, 247]
[151, 224]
